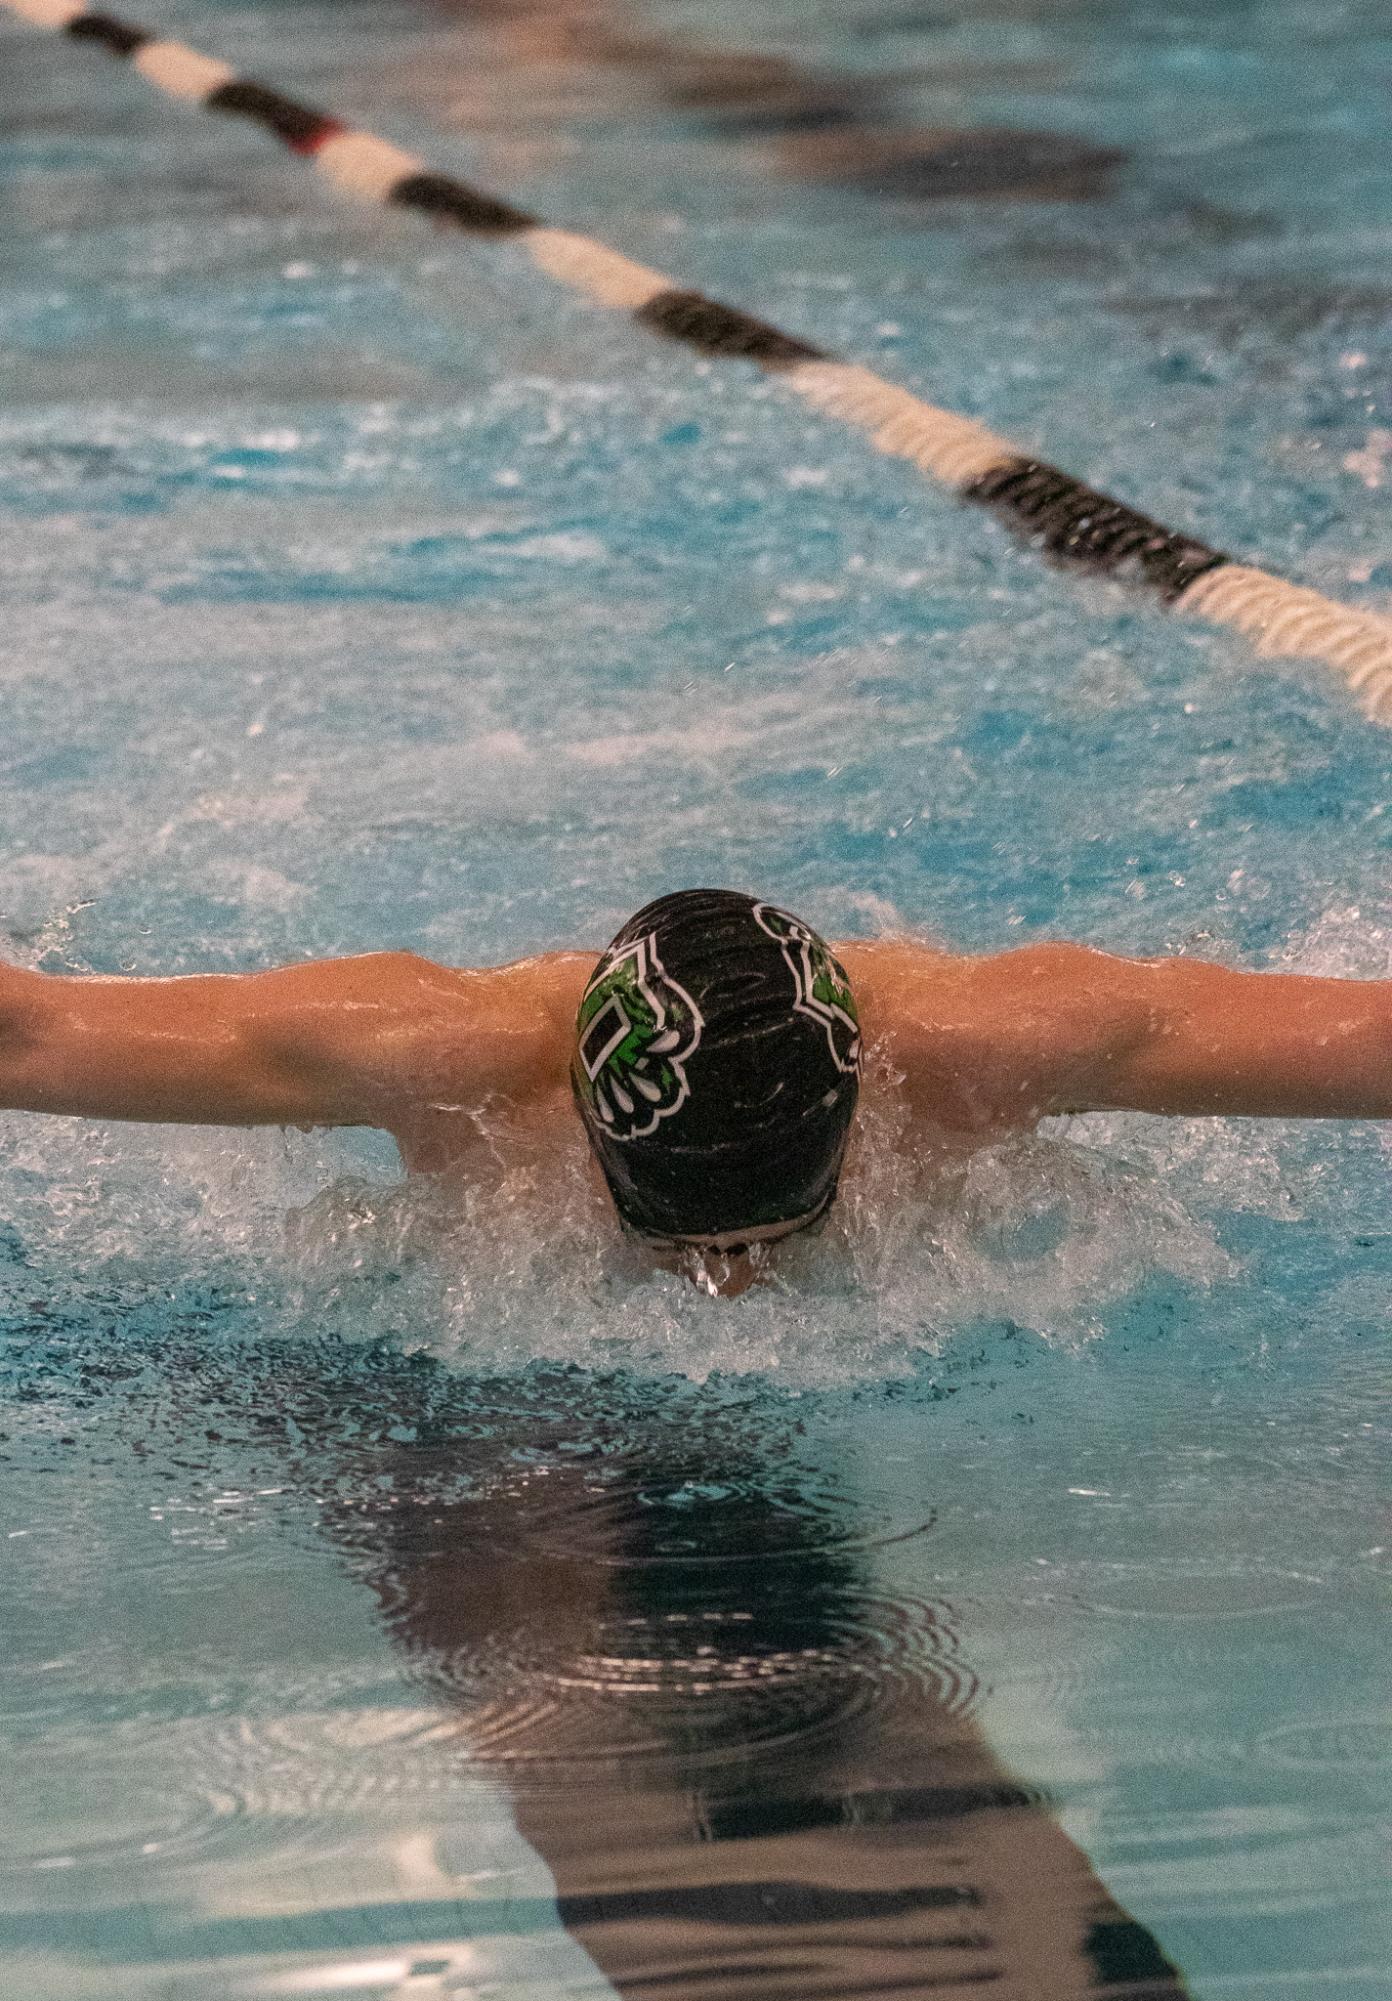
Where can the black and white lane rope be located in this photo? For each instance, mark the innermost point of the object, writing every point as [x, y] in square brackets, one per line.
[1052, 509]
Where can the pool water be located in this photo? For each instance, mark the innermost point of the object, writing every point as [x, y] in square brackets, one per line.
[414, 1604]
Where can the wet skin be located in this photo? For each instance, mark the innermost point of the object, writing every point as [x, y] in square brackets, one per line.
[469, 1069]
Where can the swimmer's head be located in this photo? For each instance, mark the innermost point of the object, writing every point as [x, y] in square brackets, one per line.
[716, 1069]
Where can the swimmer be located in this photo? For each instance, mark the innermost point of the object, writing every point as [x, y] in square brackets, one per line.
[713, 1055]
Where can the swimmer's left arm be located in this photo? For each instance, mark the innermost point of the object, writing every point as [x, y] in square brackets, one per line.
[1084, 1031]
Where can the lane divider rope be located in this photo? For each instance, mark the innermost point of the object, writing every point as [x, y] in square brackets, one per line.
[1054, 511]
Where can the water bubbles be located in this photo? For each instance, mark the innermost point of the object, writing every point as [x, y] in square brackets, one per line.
[1344, 942]
[1042, 1232]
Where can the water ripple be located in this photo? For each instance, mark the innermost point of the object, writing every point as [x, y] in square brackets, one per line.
[706, 1684]
[1338, 1744]
[102, 1803]
[1202, 1590]
[696, 1516]
[632, 1694]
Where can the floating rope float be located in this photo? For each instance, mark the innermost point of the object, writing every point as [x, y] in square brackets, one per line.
[1051, 509]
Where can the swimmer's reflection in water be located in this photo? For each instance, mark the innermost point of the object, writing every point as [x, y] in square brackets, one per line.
[815, 124]
[752, 1772]
[714, 1058]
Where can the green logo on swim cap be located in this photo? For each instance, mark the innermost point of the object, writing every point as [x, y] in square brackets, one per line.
[823, 990]
[636, 1030]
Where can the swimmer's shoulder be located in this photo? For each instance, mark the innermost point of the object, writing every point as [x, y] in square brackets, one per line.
[519, 1016]
[548, 986]
[445, 1041]
[916, 990]
[895, 980]
[539, 985]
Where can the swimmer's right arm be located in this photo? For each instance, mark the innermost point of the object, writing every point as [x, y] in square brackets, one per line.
[330, 1042]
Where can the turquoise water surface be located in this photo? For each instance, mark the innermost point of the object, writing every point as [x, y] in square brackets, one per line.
[408, 1604]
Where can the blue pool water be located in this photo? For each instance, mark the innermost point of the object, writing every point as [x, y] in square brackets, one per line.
[412, 1605]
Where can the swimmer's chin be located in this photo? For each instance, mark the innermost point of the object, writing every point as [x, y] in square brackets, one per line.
[719, 1274]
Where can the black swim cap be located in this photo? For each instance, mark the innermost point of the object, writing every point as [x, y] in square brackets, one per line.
[716, 1066]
